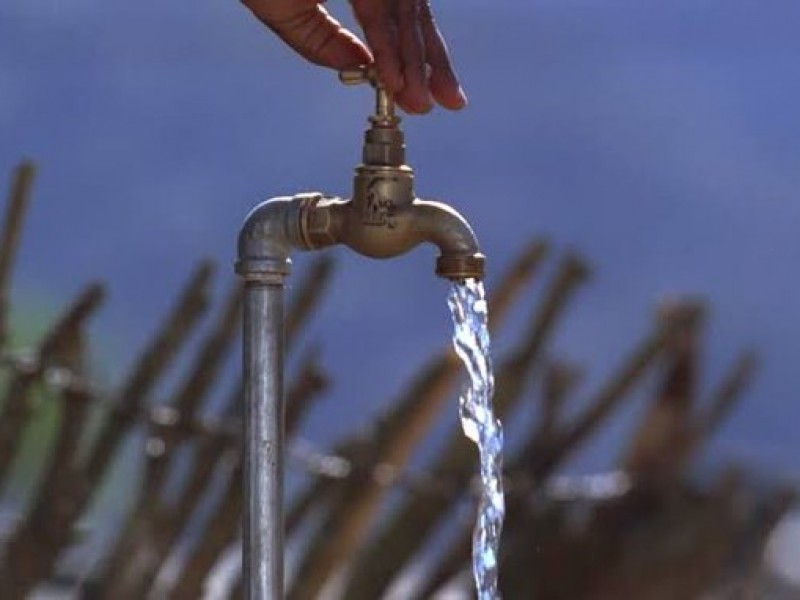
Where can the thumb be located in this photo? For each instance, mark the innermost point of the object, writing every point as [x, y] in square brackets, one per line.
[312, 32]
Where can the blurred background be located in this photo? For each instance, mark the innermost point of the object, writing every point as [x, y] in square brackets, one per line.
[659, 139]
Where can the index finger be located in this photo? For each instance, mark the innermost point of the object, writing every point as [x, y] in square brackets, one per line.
[312, 32]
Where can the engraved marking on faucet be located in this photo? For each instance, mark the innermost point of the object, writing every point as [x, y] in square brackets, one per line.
[378, 210]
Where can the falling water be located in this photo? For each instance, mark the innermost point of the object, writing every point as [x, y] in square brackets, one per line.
[468, 307]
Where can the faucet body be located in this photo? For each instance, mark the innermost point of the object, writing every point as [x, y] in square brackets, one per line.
[383, 219]
[376, 226]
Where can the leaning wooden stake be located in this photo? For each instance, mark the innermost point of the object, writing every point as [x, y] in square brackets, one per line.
[16, 207]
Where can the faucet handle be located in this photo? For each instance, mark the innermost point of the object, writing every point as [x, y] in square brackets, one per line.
[384, 104]
[359, 75]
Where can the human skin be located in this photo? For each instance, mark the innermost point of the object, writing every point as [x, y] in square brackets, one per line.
[402, 41]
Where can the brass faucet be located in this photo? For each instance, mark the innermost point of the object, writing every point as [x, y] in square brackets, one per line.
[384, 219]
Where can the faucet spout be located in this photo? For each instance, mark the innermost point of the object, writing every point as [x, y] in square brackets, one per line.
[460, 256]
[376, 226]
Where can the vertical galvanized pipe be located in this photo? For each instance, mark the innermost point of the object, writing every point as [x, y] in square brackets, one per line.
[263, 441]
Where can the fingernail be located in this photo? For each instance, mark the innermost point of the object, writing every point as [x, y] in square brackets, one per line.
[426, 104]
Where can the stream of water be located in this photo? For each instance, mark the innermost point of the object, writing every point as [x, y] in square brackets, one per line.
[467, 302]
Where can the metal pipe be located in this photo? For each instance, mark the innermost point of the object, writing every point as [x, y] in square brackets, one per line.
[263, 440]
[267, 237]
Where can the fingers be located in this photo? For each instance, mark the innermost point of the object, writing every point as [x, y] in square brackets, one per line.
[410, 53]
[443, 79]
[312, 32]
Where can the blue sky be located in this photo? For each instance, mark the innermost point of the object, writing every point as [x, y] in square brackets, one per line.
[660, 139]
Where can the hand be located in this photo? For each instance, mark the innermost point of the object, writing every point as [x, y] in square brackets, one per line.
[406, 46]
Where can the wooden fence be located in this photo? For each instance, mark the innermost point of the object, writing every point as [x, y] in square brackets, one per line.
[364, 520]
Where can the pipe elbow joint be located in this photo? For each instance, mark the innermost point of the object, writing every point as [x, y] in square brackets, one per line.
[460, 256]
[266, 240]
